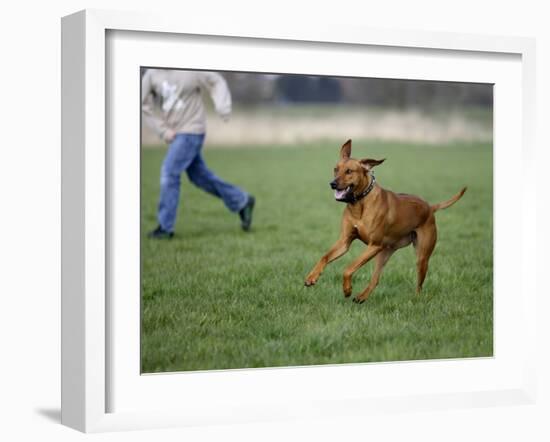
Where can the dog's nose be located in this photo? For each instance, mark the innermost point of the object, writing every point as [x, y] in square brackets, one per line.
[333, 184]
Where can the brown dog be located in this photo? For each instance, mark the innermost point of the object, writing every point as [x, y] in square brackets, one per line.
[384, 220]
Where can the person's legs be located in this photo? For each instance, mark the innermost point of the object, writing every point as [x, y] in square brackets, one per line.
[181, 153]
[234, 198]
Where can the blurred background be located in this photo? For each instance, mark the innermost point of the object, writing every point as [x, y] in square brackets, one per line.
[290, 109]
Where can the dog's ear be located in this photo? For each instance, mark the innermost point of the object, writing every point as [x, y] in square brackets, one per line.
[345, 151]
[369, 163]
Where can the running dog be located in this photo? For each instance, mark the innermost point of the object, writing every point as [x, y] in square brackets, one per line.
[384, 220]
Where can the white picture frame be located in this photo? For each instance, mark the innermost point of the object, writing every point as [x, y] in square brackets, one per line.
[87, 353]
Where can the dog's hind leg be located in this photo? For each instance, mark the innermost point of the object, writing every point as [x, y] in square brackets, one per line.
[426, 237]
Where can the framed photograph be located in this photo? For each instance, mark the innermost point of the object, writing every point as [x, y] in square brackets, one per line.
[231, 201]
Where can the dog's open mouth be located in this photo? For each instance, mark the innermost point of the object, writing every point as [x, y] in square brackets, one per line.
[341, 195]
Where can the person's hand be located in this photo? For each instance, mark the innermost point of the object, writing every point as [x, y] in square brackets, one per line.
[169, 136]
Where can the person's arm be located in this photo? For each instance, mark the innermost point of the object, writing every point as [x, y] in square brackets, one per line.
[219, 91]
[153, 121]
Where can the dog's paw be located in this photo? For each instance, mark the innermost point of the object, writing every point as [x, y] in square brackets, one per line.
[311, 278]
[310, 282]
[346, 285]
[358, 300]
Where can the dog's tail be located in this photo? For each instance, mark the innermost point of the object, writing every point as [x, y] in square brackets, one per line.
[448, 203]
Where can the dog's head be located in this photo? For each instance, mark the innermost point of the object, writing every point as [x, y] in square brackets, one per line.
[351, 176]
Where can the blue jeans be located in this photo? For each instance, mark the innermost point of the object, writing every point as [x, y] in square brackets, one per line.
[184, 154]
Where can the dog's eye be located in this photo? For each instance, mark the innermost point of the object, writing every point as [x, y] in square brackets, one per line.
[348, 171]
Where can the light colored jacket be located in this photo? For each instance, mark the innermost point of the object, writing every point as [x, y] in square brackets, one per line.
[179, 95]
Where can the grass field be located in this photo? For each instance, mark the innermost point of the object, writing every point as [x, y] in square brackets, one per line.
[215, 297]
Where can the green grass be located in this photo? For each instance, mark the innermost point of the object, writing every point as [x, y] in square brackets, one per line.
[215, 297]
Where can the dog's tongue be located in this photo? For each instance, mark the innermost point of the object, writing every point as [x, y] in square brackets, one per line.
[339, 194]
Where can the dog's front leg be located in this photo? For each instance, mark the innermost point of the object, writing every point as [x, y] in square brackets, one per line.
[338, 249]
[366, 256]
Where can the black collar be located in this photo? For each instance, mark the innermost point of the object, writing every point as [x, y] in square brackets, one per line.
[354, 198]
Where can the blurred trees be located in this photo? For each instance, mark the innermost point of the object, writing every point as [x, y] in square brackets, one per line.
[255, 89]
[251, 89]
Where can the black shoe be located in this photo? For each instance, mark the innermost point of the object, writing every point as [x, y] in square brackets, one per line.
[160, 233]
[246, 213]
